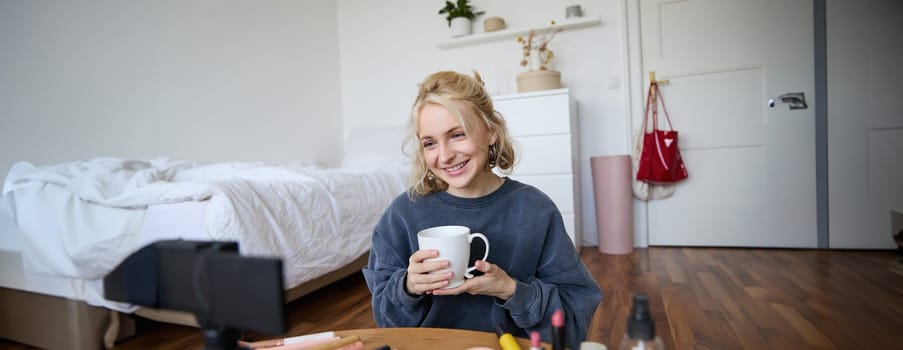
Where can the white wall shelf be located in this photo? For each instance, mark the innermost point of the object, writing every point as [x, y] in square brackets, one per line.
[479, 38]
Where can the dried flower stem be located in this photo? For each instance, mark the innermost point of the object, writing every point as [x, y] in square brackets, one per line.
[539, 43]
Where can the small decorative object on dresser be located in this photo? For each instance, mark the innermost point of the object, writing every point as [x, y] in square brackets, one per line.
[536, 80]
[459, 16]
[537, 57]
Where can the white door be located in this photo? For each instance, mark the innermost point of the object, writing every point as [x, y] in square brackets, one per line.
[752, 168]
[865, 122]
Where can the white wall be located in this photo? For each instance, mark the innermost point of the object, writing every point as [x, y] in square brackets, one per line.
[201, 80]
[388, 47]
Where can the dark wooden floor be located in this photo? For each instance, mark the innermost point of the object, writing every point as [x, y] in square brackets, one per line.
[701, 298]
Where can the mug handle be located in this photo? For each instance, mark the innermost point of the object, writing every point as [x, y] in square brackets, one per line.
[467, 273]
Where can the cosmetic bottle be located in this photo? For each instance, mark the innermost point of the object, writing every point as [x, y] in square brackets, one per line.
[640, 328]
[558, 341]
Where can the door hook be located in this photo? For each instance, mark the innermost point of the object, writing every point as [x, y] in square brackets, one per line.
[796, 100]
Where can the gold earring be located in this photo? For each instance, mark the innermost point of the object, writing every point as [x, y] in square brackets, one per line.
[430, 176]
[493, 155]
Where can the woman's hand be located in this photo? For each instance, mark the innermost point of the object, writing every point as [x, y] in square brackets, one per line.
[494, 282]
[419, 280]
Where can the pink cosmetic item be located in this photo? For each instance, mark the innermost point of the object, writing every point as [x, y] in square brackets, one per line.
[288, 341]
[535, 342]
[558, 341]
[304, 344]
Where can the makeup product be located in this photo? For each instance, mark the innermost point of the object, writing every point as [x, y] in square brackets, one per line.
[303, 345]
[558, 341]
[535, 342]
[336, 344]
[506, 340]
[641, 327]
[287, 341]
[358, 345]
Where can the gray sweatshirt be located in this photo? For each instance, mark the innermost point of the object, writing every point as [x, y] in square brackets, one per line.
[528, 240]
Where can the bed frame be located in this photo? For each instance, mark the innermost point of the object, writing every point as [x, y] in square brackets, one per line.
[58, 323]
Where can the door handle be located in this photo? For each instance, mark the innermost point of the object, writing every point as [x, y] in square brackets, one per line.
[797, 100]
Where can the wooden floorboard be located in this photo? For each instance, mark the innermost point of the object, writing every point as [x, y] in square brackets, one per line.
[700, 298]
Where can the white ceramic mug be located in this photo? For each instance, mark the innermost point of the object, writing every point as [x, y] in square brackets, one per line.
[453, 244]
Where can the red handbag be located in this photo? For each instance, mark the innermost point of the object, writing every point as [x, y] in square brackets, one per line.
[660, 161]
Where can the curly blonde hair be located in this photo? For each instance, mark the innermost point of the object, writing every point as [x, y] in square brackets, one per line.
[455, 91]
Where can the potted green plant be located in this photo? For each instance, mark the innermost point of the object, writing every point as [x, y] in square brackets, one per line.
[459, 16]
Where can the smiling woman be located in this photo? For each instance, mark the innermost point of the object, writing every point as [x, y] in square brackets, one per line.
[458, 139]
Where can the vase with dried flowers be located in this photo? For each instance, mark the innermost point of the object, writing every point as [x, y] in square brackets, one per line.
[537, 57]
[536, 52]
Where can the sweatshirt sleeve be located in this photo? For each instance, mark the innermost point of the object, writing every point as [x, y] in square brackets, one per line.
[386, 274]
[562, 282]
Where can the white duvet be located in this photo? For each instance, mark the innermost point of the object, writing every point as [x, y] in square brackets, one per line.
[80, 219]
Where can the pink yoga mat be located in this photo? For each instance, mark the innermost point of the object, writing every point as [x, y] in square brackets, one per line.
[614, 203]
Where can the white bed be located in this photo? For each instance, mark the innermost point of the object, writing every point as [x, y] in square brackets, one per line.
[72, 223]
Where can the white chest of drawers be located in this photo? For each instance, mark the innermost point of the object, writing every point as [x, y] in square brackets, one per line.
[543, 126]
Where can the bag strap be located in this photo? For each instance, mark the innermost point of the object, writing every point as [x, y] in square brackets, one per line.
[647, 111]
[655, 96]
[661, 98]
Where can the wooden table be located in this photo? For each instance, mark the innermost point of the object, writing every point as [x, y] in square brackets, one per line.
[429, 338]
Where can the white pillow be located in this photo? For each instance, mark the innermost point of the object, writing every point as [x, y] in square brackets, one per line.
[374, 146]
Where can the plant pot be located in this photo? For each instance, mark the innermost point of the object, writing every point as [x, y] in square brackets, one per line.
[538, 80]
[460, 26]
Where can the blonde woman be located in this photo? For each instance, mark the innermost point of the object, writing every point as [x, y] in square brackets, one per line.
[532, 269]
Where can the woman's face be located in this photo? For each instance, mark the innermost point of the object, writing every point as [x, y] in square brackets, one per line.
[456, 157]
